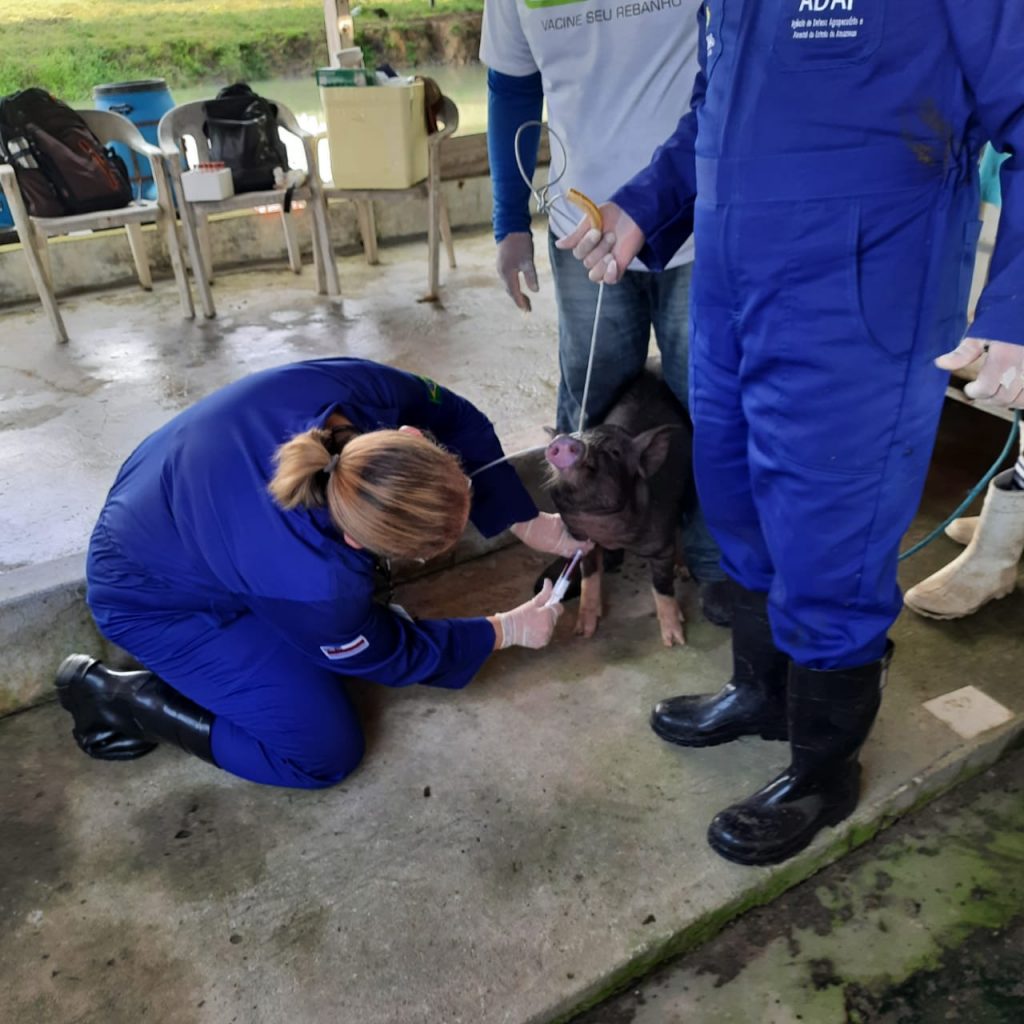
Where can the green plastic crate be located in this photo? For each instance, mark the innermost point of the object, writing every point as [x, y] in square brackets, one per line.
[328, 77]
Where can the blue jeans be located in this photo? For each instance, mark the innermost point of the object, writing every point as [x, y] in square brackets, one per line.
[629, 310]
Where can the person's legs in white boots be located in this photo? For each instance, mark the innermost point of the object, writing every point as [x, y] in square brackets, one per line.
[987, 568]
[962, 530]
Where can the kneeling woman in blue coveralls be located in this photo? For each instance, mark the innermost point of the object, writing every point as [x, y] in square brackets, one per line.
[236, 556]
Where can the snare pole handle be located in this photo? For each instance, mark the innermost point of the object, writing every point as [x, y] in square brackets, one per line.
[587, 205]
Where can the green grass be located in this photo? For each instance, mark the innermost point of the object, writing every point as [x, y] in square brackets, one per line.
[68, 46]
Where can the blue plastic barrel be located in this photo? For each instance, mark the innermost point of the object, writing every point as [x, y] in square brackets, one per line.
[143, 103]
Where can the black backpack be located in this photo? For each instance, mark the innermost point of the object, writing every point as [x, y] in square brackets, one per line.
[62, 168]
[242, 129]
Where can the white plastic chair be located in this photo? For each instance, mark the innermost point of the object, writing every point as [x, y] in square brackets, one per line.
[438, 222]
[186, 121]
[34, 232]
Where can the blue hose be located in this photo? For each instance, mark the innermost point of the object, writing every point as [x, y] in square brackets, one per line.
[979, 487]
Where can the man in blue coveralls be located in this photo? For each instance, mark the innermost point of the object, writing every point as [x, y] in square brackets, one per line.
[828, 169]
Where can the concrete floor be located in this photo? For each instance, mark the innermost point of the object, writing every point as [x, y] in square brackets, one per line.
[511, 853]
[923, 925]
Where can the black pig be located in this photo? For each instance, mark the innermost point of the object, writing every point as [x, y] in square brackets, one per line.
[623, 485]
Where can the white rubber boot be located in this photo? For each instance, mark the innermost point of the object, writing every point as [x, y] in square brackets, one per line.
[987, 569]
[962, 530]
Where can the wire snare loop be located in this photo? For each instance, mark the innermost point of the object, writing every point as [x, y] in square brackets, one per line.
[546, 201]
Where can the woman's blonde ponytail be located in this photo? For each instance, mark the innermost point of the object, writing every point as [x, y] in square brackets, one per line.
[396, 493]
[301, 463]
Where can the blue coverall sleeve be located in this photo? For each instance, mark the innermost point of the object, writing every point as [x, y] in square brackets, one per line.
[660, 198]
[989, 38]
[357, 637]
[499, 497]
[512, 100]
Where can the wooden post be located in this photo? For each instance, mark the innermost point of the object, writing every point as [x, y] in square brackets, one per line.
[340, 33]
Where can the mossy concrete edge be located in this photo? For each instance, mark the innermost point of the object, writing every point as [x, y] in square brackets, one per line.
[945, 774]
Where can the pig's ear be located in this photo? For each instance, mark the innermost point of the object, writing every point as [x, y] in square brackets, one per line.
[651, 448]
[551, 432]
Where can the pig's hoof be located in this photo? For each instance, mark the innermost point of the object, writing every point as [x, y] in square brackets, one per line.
[586, 624]
[670, 619]
[672, 632]
[671, 637]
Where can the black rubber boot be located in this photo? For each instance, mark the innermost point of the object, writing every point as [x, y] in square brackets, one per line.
[830, 716]
[752, 703]
[123, 715]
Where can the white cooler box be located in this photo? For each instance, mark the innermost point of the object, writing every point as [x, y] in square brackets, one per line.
[377, 134]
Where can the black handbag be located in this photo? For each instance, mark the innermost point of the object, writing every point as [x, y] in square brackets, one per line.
[242, 130]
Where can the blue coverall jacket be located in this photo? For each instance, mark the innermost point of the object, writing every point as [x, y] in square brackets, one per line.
[829, 170]
[254, 612]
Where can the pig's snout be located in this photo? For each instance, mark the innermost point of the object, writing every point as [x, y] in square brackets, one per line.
[564, 452]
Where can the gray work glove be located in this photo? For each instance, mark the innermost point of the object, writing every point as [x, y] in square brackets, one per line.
[515, 257]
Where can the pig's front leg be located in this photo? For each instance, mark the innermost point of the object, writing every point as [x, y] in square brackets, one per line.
[670, 616]
[590, 594]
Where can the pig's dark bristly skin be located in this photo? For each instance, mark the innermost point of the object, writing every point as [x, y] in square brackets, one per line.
[623, 484]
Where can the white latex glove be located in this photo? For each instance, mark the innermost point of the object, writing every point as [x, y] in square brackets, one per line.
[1001, 377]
[608, 252]
[548, 533]
[515, 257]
[531, 624]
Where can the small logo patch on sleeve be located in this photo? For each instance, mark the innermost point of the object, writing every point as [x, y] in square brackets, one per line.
[432, 389]
[339, 652]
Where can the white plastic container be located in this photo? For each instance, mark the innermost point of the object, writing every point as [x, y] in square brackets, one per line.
[203, 184]
[377, 135]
